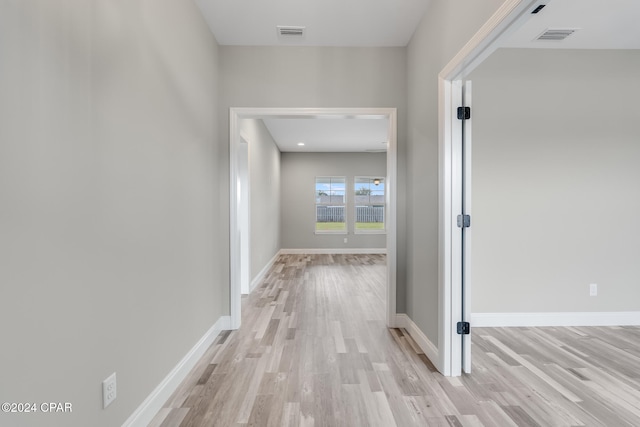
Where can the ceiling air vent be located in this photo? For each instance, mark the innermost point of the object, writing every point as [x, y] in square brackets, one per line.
[556, 34]
[290, 32]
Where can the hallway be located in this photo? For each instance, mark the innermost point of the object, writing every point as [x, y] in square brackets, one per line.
[313, 349]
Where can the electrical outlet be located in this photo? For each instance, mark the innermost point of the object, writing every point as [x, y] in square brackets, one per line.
[593, 289]
[345, 240]
[109, 391]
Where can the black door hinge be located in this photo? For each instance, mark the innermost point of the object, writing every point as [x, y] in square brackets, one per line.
[464, 328]
[464, 113]
[464, 221]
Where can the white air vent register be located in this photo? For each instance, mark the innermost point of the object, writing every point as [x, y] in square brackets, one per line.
[556, 34]
[286, 31]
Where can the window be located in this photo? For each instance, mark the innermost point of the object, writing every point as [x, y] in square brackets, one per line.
[331, 204]
[370, 204]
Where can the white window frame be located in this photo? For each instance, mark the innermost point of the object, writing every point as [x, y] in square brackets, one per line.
[355, 205]
[345, 203]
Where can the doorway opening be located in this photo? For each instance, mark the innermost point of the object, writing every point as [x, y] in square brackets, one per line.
[239, 238]
[454, 357]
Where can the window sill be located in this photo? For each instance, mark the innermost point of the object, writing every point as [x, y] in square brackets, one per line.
[370, 232]
[331, 232]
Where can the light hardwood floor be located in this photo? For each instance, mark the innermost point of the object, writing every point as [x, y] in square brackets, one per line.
[313, 350]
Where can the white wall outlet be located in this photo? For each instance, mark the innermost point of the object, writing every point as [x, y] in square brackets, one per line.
[345, 240]
[109, 390]
[593, 289]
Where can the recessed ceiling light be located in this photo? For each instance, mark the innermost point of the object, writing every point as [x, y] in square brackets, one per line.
[300, 144]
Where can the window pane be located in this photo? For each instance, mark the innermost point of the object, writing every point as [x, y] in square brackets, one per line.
[330, 204]
[337, 197]
[362, 190]
[370, 217]
[370, 208]
[377, 197]
[323, 189]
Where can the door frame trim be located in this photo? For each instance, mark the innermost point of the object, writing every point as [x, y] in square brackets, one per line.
[235, 115]
[510, 16]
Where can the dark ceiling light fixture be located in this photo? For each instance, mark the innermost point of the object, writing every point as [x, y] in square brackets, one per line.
[376, 181]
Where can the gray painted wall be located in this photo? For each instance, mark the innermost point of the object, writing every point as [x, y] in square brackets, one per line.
[555, 181]
[108, 159]
[445, 28]
[320, 77]
[264, 187]
[299, 172]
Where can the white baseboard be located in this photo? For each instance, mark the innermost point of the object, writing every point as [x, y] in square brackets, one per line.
[261, 275]
[622, 318]
[430, 350]
[142, 416]
[402, 320]
[335, 251]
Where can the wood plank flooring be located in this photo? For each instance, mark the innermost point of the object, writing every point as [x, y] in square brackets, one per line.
[313, 350]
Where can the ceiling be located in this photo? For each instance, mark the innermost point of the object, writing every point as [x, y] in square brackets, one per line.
[327, 22]
[329, 134]
[600, 24]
